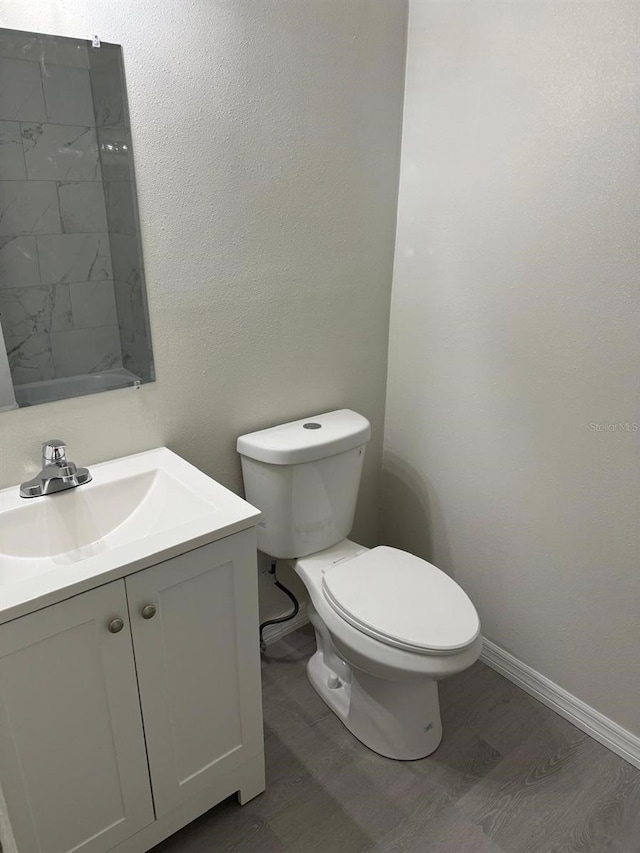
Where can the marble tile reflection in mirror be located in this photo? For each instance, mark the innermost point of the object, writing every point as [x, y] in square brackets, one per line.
[73, 306]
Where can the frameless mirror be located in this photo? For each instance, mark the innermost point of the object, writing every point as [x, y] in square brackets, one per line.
[73, 305]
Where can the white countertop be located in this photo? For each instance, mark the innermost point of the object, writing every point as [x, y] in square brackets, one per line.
[137, 511]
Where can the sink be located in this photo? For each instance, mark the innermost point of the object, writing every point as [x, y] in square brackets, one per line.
[135, 512]
[76, 524]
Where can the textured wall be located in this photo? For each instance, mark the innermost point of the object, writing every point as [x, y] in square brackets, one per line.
[514, 330]
[266, 138]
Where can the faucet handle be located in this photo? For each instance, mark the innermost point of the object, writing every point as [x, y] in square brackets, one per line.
[54, 451]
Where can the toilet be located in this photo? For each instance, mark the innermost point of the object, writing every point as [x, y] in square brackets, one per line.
[388, 624]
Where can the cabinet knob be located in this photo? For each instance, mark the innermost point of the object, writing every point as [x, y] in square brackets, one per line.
[116, 625]
[148, 611]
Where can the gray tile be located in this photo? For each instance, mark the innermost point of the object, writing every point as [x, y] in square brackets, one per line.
[107, 85]
[74, 257]
[30, 358]
[57, 152]
[16, 44]
[86, 350]
[105, 57]
[21, 97]
[35, 47]
[33, 310]
[93, 303]
[82, 207]
[138, 310]
[132, 319]
[67, 95]
[135, 353]
[28, 207]
[115, 153]
[12, 166]
[18, 262]
[120, 207]
[124, 306]
[74, 52]
[126, 259]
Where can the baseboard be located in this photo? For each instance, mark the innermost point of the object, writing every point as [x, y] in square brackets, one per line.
[276, 632]
[601, 728]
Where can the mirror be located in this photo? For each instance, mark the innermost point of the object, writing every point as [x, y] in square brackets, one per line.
[73, 307]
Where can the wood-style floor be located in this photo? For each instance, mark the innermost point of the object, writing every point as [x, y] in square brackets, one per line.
[509, 777]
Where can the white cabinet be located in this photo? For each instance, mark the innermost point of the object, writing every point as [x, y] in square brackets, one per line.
[198, 667]
[72, 759]
[84, 743]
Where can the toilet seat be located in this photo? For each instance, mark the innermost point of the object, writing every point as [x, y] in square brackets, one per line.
[402, 601]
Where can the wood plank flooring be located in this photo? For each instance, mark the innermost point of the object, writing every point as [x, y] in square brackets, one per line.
[509, 777]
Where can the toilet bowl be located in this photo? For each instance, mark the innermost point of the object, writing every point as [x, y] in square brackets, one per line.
[384, 689]
[388, 624]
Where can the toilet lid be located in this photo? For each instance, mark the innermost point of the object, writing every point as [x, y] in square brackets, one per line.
[402, 601]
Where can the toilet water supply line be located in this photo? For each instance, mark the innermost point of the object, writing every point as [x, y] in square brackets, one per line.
[294, 612]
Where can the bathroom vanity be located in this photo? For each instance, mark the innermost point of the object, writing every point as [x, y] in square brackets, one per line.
[130, 695]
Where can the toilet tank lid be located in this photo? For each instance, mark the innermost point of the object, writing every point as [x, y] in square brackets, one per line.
[306, 440]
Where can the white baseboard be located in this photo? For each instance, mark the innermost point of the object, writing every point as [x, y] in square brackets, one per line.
[601, 728]
[273, 633]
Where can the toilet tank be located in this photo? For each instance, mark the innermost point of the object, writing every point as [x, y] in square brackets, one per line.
[304, 477]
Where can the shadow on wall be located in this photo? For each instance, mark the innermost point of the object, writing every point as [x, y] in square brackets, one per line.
[411, 513]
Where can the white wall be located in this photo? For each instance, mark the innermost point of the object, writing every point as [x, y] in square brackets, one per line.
[514, 328]
[266, 139]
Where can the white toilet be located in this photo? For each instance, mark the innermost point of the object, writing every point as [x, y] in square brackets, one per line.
[388, 624]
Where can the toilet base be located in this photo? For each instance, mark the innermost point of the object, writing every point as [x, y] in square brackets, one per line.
[396, 719]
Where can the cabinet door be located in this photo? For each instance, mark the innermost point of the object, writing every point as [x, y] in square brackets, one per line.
[72, 759]
[198, 665]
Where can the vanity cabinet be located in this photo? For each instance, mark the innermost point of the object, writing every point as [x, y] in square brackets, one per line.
[73, 765]
[198, 667]
[128, 710]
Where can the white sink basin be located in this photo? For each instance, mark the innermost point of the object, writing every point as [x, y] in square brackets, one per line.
[81, 522]
[135, 512]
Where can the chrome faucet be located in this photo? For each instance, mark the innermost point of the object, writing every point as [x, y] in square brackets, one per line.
[57, 475]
